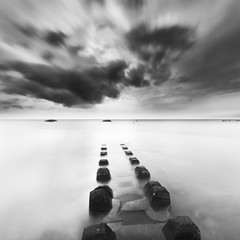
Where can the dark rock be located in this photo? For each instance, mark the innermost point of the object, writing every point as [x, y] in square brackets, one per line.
[98, 232]
[103, 174]
[150, 184]
[106, 188]
[128, 153]
[103, 153]
[122, 144]
[158, 197]
[100, 200]
[125, 148]
[107, 120]
[103, 162]
[142, 173]
[50, 120]
[134, 160]
[103, 149]
[181, 228]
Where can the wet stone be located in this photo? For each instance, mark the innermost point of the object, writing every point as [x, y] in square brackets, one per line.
[158, 197]
[124, 148]
[129, 153]
[103, 174]
[103, 153]
[103, 149]
[103, 162]
[181, 228]
[100, 200]
[142, 173]
[150, 184]
[134, 160]
[98, 232]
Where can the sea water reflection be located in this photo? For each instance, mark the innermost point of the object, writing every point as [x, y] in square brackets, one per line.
[48, 169]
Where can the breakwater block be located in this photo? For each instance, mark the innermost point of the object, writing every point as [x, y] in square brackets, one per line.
[142, 173]
[103, 174]
[98, 232]
[157, 195]
[129, 153]
[103, 162]
[100, 200]
[134, 160]
[103, 149]
[181, 228]
[103, 153]
[125, 148]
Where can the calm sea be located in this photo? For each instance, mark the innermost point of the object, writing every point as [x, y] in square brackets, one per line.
[48, 169]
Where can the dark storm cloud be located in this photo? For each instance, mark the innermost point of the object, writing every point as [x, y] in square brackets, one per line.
[68, 87]
[133, 4]
[9, 104]
[136, 77]
[214, 65]
[55, 39]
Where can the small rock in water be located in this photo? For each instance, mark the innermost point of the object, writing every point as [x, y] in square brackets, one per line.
[98, 232]
[103, 149]
[134, 160]
[100, 200]
[158, 197]
[124, 148]
[150, 184]
[103, 162]
[128, 153]
[181, 228]
[103, 174]
[142, 173]
[103, 153]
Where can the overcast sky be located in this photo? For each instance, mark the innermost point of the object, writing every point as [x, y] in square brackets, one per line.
[119, 59]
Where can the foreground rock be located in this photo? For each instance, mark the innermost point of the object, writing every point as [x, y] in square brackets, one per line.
[103, 162]
[157, 195]
[125, 148]
[98, 232]
[134, 160]
[103, 148]
[142, 173]
[100, 200]
[181, 228]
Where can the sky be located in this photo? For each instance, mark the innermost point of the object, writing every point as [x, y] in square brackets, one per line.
[119, 59]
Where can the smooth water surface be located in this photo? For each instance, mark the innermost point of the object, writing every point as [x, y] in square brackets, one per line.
[48, 169]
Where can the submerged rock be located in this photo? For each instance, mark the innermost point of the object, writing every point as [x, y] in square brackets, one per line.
[134, 160]
[100, 200]
[142, 173]
[128, 153]
[103, 153]
[103, 162]
[98, 232]
[181, 228]
[103, 174]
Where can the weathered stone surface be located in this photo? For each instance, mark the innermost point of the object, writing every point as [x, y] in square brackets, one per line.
[134, 160]
[129, 153]
[103, 153]
[181, 228]
[103, 174]
[124, 148]
[107, 188]
[100, 200]
[142, 172]
[103, 148]
[158, 197]
[103, 162]
[98, 232]
[150, 184]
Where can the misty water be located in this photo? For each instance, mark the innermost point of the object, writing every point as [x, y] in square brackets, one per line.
[48, 169]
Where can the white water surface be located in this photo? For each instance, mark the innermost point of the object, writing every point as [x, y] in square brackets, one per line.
[48, 169]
